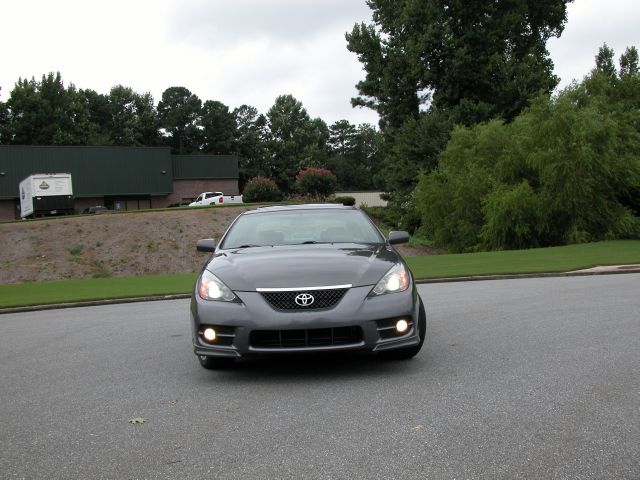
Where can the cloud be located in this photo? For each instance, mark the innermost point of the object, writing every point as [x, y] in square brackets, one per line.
[589, 26]
[221, 23]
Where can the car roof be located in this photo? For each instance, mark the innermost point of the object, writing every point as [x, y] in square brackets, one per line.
[305, 206]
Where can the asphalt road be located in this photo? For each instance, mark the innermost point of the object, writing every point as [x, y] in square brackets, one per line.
[536, 378]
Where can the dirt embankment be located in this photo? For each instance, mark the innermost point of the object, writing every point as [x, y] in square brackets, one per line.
[113, 244]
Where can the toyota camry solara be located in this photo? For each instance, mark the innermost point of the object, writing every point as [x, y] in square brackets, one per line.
[304, 278]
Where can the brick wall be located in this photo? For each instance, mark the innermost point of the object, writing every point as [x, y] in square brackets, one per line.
[7, 210]
[183, 189]
[79, 204]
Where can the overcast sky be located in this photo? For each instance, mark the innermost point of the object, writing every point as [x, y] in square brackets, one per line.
[241, 51]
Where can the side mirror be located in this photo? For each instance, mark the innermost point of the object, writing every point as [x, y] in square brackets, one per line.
[206, 245]
[396, 237]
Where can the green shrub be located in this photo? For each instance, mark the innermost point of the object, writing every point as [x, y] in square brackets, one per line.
[513, 218]
[261, 189]
[318, 183]
[347, 200]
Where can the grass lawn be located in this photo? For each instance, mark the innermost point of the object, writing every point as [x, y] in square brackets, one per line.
[64, 291]
[536, 260]
[555, 259]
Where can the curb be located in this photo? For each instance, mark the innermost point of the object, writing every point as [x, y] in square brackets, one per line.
[515, 276]
[477, 278]
[94, 303]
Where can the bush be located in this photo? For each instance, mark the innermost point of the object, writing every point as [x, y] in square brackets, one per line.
[345, 200]
[318, 183]
[261, 189]
[513, 218]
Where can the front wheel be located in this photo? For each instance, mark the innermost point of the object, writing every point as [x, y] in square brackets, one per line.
[215, 363]
[410, 352]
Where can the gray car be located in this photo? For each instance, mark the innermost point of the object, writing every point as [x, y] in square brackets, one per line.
[304, 278]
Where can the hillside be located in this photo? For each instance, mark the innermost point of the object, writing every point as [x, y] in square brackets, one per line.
[126, 244]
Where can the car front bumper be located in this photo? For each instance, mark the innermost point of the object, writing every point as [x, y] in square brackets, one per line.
[370, 317]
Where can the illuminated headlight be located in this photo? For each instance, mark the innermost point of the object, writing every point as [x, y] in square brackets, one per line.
[211, 287]
[401, 326]
[395, 280]
[209, 334]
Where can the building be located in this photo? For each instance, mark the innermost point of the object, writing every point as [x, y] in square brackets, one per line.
[120, 178]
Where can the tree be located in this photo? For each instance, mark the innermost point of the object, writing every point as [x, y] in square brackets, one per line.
[415, 148]
[604, 62]
[629, 62]
[480, 59]
[218, 128]
[261, 189]
[317, 183]
[132, 118]
[251, 138]
[295, 141]
[355, 155]
[4, 123]
[342, 138]
[97, 106]
[47, 113]
[179, 113]
[564, 171]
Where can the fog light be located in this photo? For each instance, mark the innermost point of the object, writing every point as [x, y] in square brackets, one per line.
[209, 334]
[402, 326]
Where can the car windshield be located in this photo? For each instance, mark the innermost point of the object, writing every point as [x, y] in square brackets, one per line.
[301, 227]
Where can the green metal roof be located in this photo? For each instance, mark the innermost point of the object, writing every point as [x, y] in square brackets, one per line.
[188, 167]
[95, 171]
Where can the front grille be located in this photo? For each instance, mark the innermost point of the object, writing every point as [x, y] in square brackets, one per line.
[313, 337]
[286, 300]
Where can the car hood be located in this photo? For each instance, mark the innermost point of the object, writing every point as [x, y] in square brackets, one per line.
[302, 266]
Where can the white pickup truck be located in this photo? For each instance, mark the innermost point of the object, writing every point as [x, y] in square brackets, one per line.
[215, 198]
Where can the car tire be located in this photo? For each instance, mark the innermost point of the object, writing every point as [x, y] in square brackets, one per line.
[215, 363]
[410, 352]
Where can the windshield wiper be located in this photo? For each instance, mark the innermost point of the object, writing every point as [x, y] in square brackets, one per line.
[308, 242]
[246, 246]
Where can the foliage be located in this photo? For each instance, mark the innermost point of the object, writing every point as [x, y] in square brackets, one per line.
[566, 170]
[480, 59]
[179, 114]
[295, 140]
[344, 200]
[415, 148]
[318, 183]
[251, 138]
[604, 62]
[277, 145]
[218, 128]
[132, 118]
[4, 122]
[260, 189]
[355, 155]
[46, 113]
[629, 63]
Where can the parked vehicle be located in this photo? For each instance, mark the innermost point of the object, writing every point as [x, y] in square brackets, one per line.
[215, 198]
[207, 198]
[227, 199]
[304, 278]
[97, 209]
[46, 194]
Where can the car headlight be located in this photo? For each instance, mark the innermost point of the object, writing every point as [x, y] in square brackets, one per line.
[395, 280]
[211, 287]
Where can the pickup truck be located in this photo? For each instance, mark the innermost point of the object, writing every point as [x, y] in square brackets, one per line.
[215, 198]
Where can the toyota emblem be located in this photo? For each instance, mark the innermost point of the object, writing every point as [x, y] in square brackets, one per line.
[304, 299]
